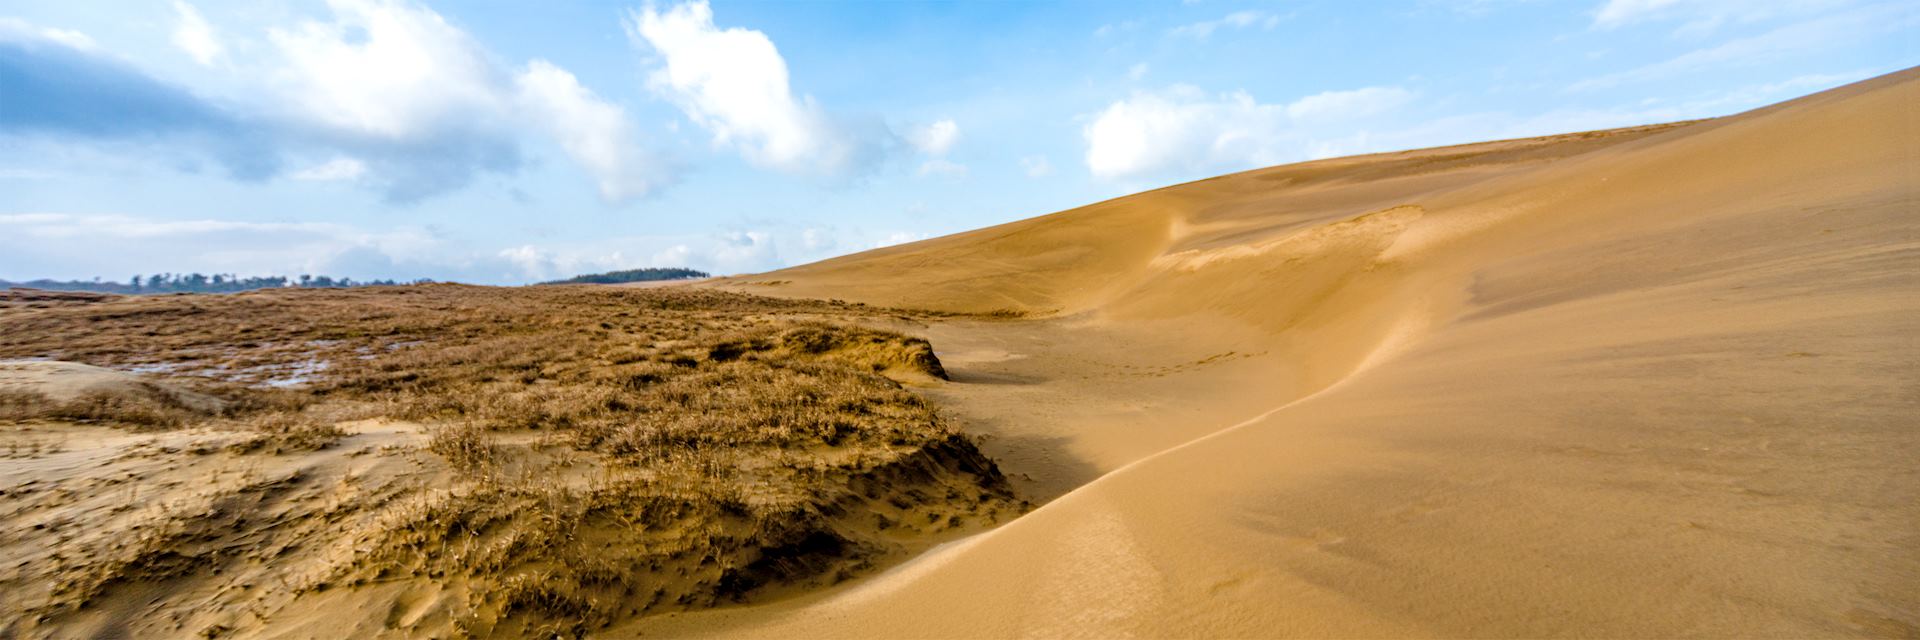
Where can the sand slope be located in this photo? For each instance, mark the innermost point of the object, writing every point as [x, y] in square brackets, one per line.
[1648, 382]
[68, 381]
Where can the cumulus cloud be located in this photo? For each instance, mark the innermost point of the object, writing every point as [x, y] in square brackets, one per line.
[192, 34]
[594, 132]
[415, 102]
[387, 69]
[734, 83]
[1236, 20]
[428, 108]
[935, 139]
[1182, 128]
[1185, 130]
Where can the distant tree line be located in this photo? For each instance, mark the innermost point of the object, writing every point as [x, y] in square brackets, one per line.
[197, 283]
[633, 275]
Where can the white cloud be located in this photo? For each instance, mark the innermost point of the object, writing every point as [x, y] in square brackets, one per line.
[815, 240]
[1700, 17]
[1475, 127]
[1137, 71]
[342, 168]
[68, 246]
[1184, 130]
[65, 245]
[193, 35]
[1343, 105]
[724, 253]
[417, 105]
[1036, 166]
[1797, 38]
[388, 69]
[1762, 94]
[1616, 13]
[935, 139]
[64, 225]
[425, 105]
[1236, 20]
[1180, 129]
[898, 237]
[538, 264]
[734, 83]
[594, 132]
[17, 30]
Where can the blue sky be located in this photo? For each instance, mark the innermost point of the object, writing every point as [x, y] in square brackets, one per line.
[500, 142]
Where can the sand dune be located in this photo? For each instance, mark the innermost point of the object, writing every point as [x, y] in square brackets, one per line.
[1647, 382]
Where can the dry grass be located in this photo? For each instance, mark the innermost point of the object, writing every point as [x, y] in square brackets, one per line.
[42, 298]
[608, 452]
[281, 433]
[146, 406]
[464, 445]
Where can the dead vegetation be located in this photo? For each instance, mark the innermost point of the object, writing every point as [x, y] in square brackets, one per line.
[27, 298]
[587, 454]
[144, 406]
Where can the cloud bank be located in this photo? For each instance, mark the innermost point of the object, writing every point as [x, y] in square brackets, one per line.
[389, 86]
[115, 246]
[1186, 131]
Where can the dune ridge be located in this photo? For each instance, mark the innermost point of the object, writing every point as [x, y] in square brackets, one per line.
[1653, 381]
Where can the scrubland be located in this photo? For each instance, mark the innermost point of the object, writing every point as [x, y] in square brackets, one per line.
[466, 460]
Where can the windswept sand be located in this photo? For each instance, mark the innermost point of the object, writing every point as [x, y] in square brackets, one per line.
[1647, 382]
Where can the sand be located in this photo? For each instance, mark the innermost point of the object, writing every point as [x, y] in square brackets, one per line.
[1648, 382]
[67, 381]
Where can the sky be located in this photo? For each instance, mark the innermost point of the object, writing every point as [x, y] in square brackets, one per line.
[505, 142]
